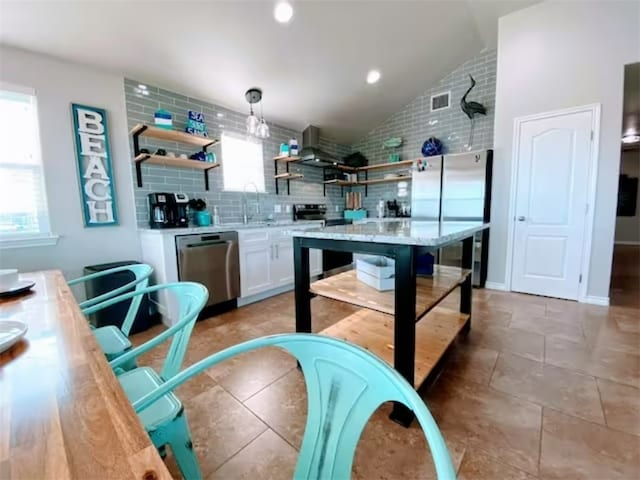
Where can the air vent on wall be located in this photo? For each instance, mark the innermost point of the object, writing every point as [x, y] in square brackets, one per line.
[440, 101]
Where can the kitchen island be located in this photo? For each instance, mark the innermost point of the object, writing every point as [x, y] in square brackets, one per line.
[405, 327]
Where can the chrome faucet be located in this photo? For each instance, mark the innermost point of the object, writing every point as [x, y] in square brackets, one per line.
[245, 215]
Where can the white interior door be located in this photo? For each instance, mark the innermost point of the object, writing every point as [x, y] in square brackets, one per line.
[554, 158]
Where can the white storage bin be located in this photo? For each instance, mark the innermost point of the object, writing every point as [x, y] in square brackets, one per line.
[377, 272]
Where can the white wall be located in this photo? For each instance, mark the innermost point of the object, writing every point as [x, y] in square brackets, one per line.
[57, 85]
[556, 55]
[628, 228]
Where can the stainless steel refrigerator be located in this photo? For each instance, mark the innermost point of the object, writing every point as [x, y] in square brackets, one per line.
[466, 196]
[426, 189]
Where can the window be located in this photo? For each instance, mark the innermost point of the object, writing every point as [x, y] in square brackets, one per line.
[23, 203]
[242, 164]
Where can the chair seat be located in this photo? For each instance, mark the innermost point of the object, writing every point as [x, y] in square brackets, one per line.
[112, 341]
[141, 381]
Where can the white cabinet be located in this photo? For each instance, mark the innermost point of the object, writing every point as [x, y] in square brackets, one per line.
[315, 261]
[282, 261]
[266, 260]
[255, 269]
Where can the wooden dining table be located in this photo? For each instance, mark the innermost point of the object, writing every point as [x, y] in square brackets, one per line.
[63, 413]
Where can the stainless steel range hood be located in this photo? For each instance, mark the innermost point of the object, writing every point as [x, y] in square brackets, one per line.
[311, 154]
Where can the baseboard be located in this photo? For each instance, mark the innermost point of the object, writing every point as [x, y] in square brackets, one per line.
[594, 300]
[263, 295]
[496, 286]
[623, 242]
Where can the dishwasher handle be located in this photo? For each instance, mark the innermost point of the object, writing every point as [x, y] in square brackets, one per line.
[207, 244]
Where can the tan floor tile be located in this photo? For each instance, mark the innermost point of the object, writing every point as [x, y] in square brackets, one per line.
[550, 386]
[512, 340]
[268, 457]
[600, 362]
[283, 406]
[248, 373]
[478, 416]
[477, 465]
[575, 449]
[606, 333]
[621, 404]
[471, 362]
[388, 451]
[628, 323]
[220, 427]
[550, 326]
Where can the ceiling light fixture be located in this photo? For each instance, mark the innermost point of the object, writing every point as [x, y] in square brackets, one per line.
[373, 76]
[283, 12]
[631, 138]
[256, 127]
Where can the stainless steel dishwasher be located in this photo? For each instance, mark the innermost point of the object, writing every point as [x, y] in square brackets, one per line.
[213, 260]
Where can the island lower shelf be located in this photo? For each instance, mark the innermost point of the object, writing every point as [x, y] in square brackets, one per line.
[374, 332]
[346, 287]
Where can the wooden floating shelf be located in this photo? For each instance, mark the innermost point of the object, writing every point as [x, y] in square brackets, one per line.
[345, 287]
[400, 178]
[385, 166]
[342, 183]
[171, 135]
[286, 158]
[374, 332]
[288, 176]
[174, 161]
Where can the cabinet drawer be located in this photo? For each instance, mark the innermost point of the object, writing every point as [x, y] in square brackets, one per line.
[253, 236]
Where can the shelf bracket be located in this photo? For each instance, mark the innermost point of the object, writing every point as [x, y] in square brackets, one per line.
[366, 185]
[206, 178]
[275, 172]
[139, 169]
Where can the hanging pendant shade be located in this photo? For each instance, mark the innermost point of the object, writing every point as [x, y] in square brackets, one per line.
[252, 123]
[255, 126]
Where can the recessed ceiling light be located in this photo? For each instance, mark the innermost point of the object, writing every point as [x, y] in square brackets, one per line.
[283, 12]
[373, 76]
[631, 138]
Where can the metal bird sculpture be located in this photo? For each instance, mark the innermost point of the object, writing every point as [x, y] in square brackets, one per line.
[471, 109]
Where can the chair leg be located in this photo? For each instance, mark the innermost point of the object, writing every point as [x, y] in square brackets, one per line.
[179, 439]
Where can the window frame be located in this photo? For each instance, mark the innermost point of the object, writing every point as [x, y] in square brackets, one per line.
[44, 236]
[226, 161]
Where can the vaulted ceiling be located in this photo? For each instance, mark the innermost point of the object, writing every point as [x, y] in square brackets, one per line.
[311, 70]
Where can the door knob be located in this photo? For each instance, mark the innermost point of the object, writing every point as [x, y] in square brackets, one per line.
[521, 219]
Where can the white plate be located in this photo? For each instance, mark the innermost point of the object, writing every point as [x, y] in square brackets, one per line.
[18, 287]
[10, 333]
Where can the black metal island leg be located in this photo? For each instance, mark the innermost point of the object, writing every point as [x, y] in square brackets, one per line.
[302, 285]
[404, 349]
[466, 289]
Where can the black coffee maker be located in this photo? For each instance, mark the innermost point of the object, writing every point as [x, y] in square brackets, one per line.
[168, 210]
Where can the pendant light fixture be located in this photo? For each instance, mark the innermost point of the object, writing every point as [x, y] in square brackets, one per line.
[263, 129]
[253, 95]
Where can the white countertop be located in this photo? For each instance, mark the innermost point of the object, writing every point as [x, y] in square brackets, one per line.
[229, 227]
[398, 231]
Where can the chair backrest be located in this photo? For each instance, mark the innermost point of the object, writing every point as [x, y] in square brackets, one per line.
[345, 385]
[141, 273]
[191, 297]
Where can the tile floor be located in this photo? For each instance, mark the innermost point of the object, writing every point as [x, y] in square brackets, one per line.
[541, 388]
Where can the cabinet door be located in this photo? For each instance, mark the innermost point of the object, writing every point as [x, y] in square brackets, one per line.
[255, 268]
[315, 261]
[283, 261]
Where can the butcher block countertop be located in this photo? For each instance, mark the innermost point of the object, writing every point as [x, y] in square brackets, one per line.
[63, 413]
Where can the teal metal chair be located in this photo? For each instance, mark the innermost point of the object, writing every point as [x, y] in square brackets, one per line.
[114, 341]
[345, 385]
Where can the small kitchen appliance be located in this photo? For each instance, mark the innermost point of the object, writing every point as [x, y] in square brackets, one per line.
[168, 210]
